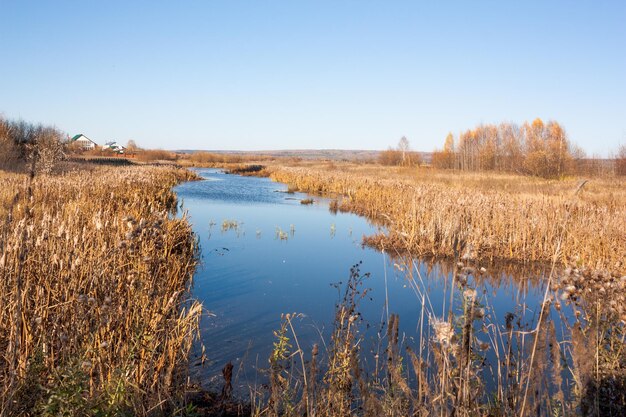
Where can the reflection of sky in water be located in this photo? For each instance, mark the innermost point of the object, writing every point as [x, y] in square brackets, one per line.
[248, 276]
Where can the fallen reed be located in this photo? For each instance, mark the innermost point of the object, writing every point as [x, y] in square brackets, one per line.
[94, 277]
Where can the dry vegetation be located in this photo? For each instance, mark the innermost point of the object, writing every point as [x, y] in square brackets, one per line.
[147, 155]
[40, 147]
[489, 217]
[570, 228]
[620, 161]
[536, 148]
[214, 159]
[401, 155]
[443, 371]
[95, 272]
[94, 275]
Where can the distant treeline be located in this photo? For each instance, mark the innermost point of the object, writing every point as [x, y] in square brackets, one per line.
[22, 142]
[537, 148]
[220, 158]
[401, 155]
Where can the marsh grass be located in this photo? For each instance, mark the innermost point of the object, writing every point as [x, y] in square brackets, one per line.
[94, 276]
[482, 216]
[281, 234]
[467, 362]
[246, 170]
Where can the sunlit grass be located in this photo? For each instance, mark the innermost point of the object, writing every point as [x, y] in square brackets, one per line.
[478, 215]
[94, 275]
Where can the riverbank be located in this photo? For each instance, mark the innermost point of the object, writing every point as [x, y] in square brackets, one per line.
[481, 220]
[483, 217]
[95, 272]
[485, 353]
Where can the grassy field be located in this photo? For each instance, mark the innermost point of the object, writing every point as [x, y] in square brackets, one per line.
[480, 216]
[94, 279]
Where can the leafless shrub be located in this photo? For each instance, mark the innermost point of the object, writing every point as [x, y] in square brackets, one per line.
[155, 155]
[46, 151]
[9, 152]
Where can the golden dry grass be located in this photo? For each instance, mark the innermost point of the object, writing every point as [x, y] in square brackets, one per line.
[446, 373]
[94, 273]
[479, 215]
[466, 364]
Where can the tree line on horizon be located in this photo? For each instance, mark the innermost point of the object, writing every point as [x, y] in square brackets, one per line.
[400, 155]
[536, 148]
[23, 142]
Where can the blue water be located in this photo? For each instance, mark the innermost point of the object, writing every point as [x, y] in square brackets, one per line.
[249, 276]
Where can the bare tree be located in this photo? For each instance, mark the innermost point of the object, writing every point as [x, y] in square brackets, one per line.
[404, 147]
[131, 145]
[46, 151]
[390, 157]
[9, 152]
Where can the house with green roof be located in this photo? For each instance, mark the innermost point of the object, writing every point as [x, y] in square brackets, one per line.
[83, 142]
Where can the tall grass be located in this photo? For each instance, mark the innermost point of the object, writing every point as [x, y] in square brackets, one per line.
[94, 278]
[466, 362]
[480, 216]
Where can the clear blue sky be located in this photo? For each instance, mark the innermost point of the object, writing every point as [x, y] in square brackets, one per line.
[295, 74]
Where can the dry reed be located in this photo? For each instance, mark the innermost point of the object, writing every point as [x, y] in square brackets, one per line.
[487, 218]
[94, 273]
[449, 373]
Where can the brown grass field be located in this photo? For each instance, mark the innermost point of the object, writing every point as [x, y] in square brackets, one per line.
[94, 279]
[481, 216]
[95, 272]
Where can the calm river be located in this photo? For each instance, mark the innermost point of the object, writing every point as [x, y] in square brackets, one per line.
[264, 254]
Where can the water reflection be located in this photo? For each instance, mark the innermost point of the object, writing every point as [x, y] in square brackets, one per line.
[265, 254]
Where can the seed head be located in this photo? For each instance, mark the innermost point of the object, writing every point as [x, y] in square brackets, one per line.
[443, 332]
